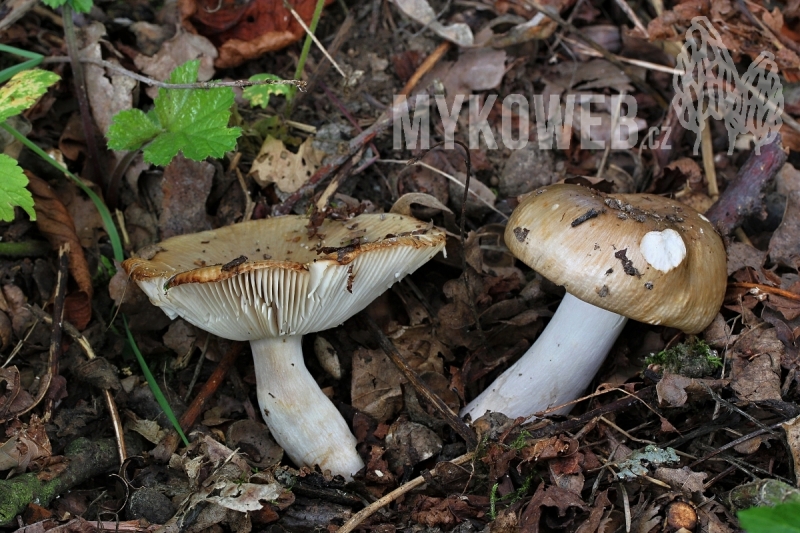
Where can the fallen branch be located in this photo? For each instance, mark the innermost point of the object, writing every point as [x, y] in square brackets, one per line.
[85, 460]
[369, 510]
[743, 197]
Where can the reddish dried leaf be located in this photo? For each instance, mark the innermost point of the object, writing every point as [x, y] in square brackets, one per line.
[245, 30]
[56, 224]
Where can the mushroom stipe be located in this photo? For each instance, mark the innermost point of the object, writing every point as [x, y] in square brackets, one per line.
[313, 283]
[673, 273]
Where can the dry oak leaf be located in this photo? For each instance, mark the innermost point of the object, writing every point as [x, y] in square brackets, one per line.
[56, 224]
[245, 30]
[288, 171]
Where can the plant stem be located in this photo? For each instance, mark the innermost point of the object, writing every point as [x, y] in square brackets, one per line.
[24, 249]
[301, 62]
[80, 93]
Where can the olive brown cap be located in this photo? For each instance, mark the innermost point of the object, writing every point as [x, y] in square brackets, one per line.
[642, 256]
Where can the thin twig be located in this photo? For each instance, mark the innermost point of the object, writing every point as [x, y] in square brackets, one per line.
[399, 361]
[301, 85]
[633, 18]
[736, 442]
[765, 288]
[197, 367]
[79, 79]
[210, 387]
[62, 275]
[707, 150]
[302, 23]
[372, 508]
[83, 342]
[425, 67]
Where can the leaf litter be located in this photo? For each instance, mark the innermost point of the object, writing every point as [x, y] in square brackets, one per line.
[650, 447]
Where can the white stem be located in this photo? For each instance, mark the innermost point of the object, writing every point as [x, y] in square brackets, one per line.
[558, 367]
[301, 418]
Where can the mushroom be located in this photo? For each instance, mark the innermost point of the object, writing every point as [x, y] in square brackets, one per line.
[269, 282]
[619, 256]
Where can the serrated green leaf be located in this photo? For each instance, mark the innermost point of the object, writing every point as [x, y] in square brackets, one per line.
[22, 91]
[192, 121]
[80, 6]
[258, 95]
[130, 129]
[783, 518]
[12, 190]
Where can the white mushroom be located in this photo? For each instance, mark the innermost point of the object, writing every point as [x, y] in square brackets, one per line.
[620, 256]
[269, 283]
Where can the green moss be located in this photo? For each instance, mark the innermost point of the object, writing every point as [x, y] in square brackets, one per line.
[693, 359]
[16, 494]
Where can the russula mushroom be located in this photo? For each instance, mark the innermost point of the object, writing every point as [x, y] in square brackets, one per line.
[269, 283]
[618, 256]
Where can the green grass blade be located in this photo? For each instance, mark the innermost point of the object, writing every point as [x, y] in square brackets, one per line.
[33, 60]
[162, 401]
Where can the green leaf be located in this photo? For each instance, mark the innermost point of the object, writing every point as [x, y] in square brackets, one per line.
[783, 518]
[130, 129]
[12, 190]
[258, 95]
[80, 6]
[192, 121]
[22, 91]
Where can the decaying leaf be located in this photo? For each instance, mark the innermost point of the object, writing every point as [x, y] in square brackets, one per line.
[288, 171]
[27, 443]
[682, 479]
[756, 369]
[792, 430]
[58, 227]
[245, 30]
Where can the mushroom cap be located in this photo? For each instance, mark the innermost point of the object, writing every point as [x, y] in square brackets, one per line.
[268, 278]
[648, 258]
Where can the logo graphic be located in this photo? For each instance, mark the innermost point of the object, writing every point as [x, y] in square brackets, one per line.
[709, 86]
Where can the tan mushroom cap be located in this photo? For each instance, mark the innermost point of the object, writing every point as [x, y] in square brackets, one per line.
[648, 258]
[268, 278]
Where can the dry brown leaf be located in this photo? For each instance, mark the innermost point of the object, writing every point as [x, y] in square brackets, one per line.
[56, 224]
[181, 48]
[186, 185]
[682, 479]
[245, 30]
[756, 372]
[375, 387]
[784, 246]
[27, 443]
[288, 171]
[109, 92]
[792, 430]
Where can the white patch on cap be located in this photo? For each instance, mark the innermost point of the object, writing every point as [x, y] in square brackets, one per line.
[664, 250]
